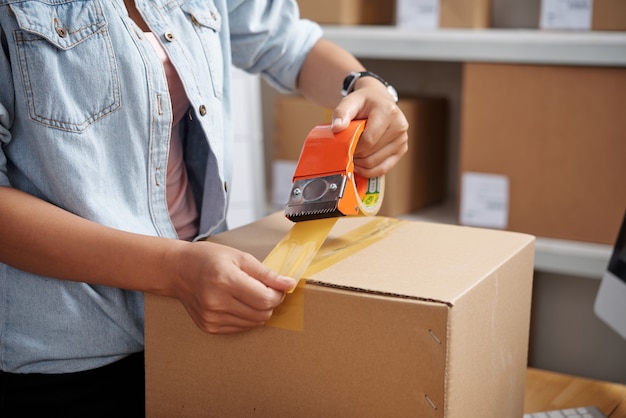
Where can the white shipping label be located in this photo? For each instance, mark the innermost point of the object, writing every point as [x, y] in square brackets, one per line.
[484, 200]
[566, 14]
[417, 14]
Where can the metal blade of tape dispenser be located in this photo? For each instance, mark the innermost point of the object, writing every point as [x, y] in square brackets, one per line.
[315, 198]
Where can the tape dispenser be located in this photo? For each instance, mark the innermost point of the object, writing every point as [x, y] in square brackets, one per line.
[324, 182]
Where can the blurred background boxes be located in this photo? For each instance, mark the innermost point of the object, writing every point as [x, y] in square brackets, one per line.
[432, 14]
[601, 15]
[557, 136]
[465, 13]
[416, 181]
[583, 14]
[609, 15]
[348, 12]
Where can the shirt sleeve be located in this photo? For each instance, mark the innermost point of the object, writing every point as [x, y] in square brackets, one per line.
[270, 38]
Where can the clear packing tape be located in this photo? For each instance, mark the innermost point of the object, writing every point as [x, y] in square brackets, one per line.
[324, 189]
[304, 252]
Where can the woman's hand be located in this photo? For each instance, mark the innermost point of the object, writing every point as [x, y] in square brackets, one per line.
[384, 140]
[225, 290]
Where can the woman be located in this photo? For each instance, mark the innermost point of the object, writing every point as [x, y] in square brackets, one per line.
[115, 126]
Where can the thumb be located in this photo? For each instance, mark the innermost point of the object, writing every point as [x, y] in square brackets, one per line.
[274, 280]
[344, 113]
[339, 123]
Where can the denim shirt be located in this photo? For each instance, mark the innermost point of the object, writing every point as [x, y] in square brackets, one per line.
[85, 121]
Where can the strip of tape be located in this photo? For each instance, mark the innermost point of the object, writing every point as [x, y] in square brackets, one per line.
[303, 252]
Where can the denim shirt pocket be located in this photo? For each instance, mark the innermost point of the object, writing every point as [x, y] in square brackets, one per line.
[207, 22]
[67, 63]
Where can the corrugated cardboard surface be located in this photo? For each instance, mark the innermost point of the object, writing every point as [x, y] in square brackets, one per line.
[464, 13]
[348, 12]
[558, 134]
[430, 321]
[609, 15]
[419, 178]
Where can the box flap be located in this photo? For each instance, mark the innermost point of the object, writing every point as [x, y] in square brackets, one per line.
[470, 254]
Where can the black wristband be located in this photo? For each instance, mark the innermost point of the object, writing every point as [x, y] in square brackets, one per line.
[351, 79]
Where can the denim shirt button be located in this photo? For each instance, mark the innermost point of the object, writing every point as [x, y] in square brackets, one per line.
[169, 36]
[202, 110]
[61, 31]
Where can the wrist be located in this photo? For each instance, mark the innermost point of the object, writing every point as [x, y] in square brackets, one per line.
[170, 263]
[360, 77]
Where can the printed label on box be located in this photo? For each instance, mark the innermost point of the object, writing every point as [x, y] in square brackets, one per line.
[484, 200]
[566, 14]
[417, 14]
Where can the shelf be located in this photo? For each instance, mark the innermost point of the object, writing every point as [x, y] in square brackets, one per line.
[574, 258]
[483, 45]
[571, 257]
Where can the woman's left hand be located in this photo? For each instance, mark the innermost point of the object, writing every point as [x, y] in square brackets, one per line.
[384, 140]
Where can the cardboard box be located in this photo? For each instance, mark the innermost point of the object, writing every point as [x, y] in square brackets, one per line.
[294, 117]
[465, 14]
[430, 320]
[603, 15]
[432, 14]
[418, 180]
[556, 135]
[348, 12]
[609, 15]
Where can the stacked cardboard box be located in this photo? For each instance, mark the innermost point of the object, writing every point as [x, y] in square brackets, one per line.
[465, 13]
[583, 15]
[443, 14]
[430, 320]
[555, 135]
[609, 15]
[418, 180]
[348, 12]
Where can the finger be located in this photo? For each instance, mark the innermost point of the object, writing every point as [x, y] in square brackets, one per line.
[216, 307]
[225, 323]
[349, 108]
[267, 276]
[386, 125]
[382, 159]
[240, 302]
[380, 169]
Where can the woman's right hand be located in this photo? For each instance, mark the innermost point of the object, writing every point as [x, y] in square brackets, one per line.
[226, 290]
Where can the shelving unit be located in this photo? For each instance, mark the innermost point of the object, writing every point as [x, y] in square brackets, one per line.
[606, 49]
[483, 45]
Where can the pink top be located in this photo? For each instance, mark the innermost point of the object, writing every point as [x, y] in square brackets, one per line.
[180, 201]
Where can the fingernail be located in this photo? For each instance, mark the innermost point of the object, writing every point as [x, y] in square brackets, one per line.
[335, 122]
[288, 279]
[292, 283]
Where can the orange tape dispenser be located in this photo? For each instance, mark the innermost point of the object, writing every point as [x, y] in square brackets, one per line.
[324, 188]
[324, 182]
